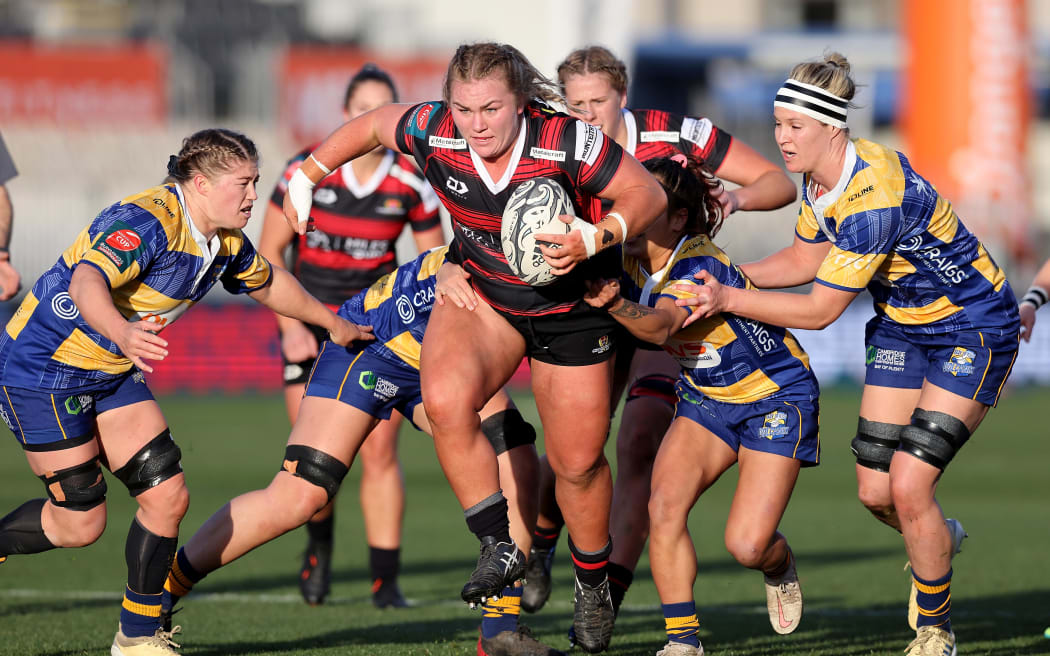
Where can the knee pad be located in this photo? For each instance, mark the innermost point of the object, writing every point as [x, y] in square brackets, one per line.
[155, 463]
[933, 437]
[76, 488]
[875, 444]
[507, 430]
[654, 386]
[316, 467]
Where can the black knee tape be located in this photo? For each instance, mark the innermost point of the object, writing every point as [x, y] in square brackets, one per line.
[155, 463]
[77, 488]
[508, 430]
[934, 437]
[875, 444]
[315, 467]
[654, 386]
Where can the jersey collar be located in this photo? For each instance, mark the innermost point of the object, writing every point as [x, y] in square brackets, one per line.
[512, 165]
[821, 205]
[632, 130]
[368, 188]
[207, 247]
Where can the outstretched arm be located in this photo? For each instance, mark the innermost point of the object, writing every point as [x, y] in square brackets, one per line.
[651, 324]
[286, 296]
[763, 184]
[789, 267]
[1033, 300]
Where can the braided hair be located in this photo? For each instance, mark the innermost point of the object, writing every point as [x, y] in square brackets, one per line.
[210, 152]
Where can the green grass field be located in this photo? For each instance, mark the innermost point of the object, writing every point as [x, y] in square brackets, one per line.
[66, 602]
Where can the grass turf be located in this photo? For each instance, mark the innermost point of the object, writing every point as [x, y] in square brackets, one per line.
[66, 602]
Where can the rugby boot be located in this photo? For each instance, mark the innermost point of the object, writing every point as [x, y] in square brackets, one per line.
[593, 617]
[784, 599]
[316, 574]
[161, 643]
[680, 649]
[958, 535]
[537, 579]
[931, 641]
[387, 594]
[514, 643]
[499, 566]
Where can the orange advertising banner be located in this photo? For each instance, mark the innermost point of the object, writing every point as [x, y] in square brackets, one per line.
[313, 79]
[125, 84]
[967, 110]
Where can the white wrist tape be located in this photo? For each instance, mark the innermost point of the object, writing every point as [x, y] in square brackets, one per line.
[1035, 296]
[623, 224]
[589, 232]
[319, 165]
[301, 191]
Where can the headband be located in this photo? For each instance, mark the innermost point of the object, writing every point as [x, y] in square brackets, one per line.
[812, 101]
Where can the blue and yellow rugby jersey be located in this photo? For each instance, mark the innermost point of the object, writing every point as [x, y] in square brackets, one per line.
[154, 260]
[397, 306]
[891, 232]
[726, 357]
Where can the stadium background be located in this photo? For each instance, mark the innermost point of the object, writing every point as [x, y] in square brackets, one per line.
[94, 96]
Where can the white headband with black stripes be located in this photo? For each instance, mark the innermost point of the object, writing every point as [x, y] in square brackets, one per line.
[812, 101]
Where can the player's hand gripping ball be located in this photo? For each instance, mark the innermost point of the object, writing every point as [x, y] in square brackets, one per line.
[533, 209]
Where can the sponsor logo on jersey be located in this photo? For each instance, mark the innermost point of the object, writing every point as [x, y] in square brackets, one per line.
[694, 355]
[446, 142]
[124, 240]
[543, 153]
[158, 202]
[138, 377]
[863, 192]
[391, 206]
[960, 363]
[774, 425]
[697, 131]
[64, 307]
[325, 196]
[417, 124]
[358, 248]
[885, 359]
[384, 389]
[649, 136]
[119, 244]
[367, 380]
[405, 311]
[457, 187]
[589, 140]
[604, 344]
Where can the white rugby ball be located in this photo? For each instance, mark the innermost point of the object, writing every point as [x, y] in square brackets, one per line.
[533, 209]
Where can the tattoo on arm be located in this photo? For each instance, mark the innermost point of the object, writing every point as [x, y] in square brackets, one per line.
[607, 237]
[630, 310]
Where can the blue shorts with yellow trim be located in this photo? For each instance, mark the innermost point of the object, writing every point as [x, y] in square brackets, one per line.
[50, 421]
[789, 428]
[360, 379]
[971, 363]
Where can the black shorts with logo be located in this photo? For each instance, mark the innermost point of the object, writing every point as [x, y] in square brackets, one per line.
[579, 337]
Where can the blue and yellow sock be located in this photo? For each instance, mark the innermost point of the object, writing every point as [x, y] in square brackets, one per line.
[139, 614]
[499, 615]
[181, 579]
[681, 623]
[934, 599]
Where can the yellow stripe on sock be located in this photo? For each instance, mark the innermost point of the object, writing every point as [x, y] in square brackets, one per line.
[506, 605]
[943, 608]
[146, 610]
[177, 584]
[677, 625]
[931, 589]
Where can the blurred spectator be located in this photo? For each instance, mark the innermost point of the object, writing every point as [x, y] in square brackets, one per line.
[10, 281]
[1034, 298]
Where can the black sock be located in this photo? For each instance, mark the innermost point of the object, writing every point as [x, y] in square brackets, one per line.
[321, 530]
[544, 537]
[591, 567]
[21, 531]
[619, 580]
[488, 518]
[385, 563]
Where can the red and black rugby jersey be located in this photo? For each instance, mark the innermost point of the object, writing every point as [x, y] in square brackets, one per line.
[551, 145]
[358, 223]
[652, 133]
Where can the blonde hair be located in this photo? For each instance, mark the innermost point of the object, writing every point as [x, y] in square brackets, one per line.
[211, 152]
[477, 61]
[830, 73]
[594, 59]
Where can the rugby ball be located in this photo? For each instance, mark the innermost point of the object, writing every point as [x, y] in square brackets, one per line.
[533, 209]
